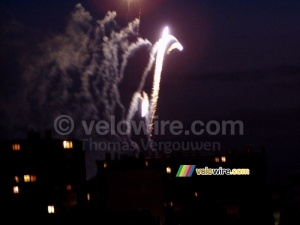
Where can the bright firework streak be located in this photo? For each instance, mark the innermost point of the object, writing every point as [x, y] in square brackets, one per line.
[145, 105]
[164, 41]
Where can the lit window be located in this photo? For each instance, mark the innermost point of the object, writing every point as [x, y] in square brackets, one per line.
[196, 194]
[26, 178]
[16, 147]
[146, 163]
[29, 178]
[16, 179]
[223, 159]
[15, 189]
[104, 165]
[217, 159]
[88, 196]
[32, 178]
[69, 187]
[67, 144]
[168, 169]
[171, 203]
[50, 209]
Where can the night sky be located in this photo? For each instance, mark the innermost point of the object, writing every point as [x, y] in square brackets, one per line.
[241, 61]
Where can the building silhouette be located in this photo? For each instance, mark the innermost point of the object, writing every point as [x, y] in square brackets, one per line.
[286, 200]
[42, 176]
[134, 184]
[47, 177]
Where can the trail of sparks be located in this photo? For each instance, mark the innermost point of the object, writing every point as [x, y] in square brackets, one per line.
[163, 48]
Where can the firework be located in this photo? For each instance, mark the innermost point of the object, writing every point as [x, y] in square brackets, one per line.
[165, 41]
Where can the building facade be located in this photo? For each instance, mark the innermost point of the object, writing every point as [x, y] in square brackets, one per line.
[156, 185]
[42, 176]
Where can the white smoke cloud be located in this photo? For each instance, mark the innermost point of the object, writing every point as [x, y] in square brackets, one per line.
[78, 72]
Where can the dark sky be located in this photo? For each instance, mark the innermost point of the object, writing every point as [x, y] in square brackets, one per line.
[241, 61]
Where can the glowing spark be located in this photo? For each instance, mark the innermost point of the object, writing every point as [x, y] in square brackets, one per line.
[145, 105]
[164, 41]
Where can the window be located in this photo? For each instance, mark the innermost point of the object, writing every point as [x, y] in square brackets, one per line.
[32, 178]
[217, 159]
[88, 196]
[168, 170]
[69, 187]
[16, 147]
[146, 163]
[223, 158]
[29, 178]
[26, 178]
[67, 144]
[15, 189]
[50, 209]
[16, 179]
[104, 165]
[196, 194]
